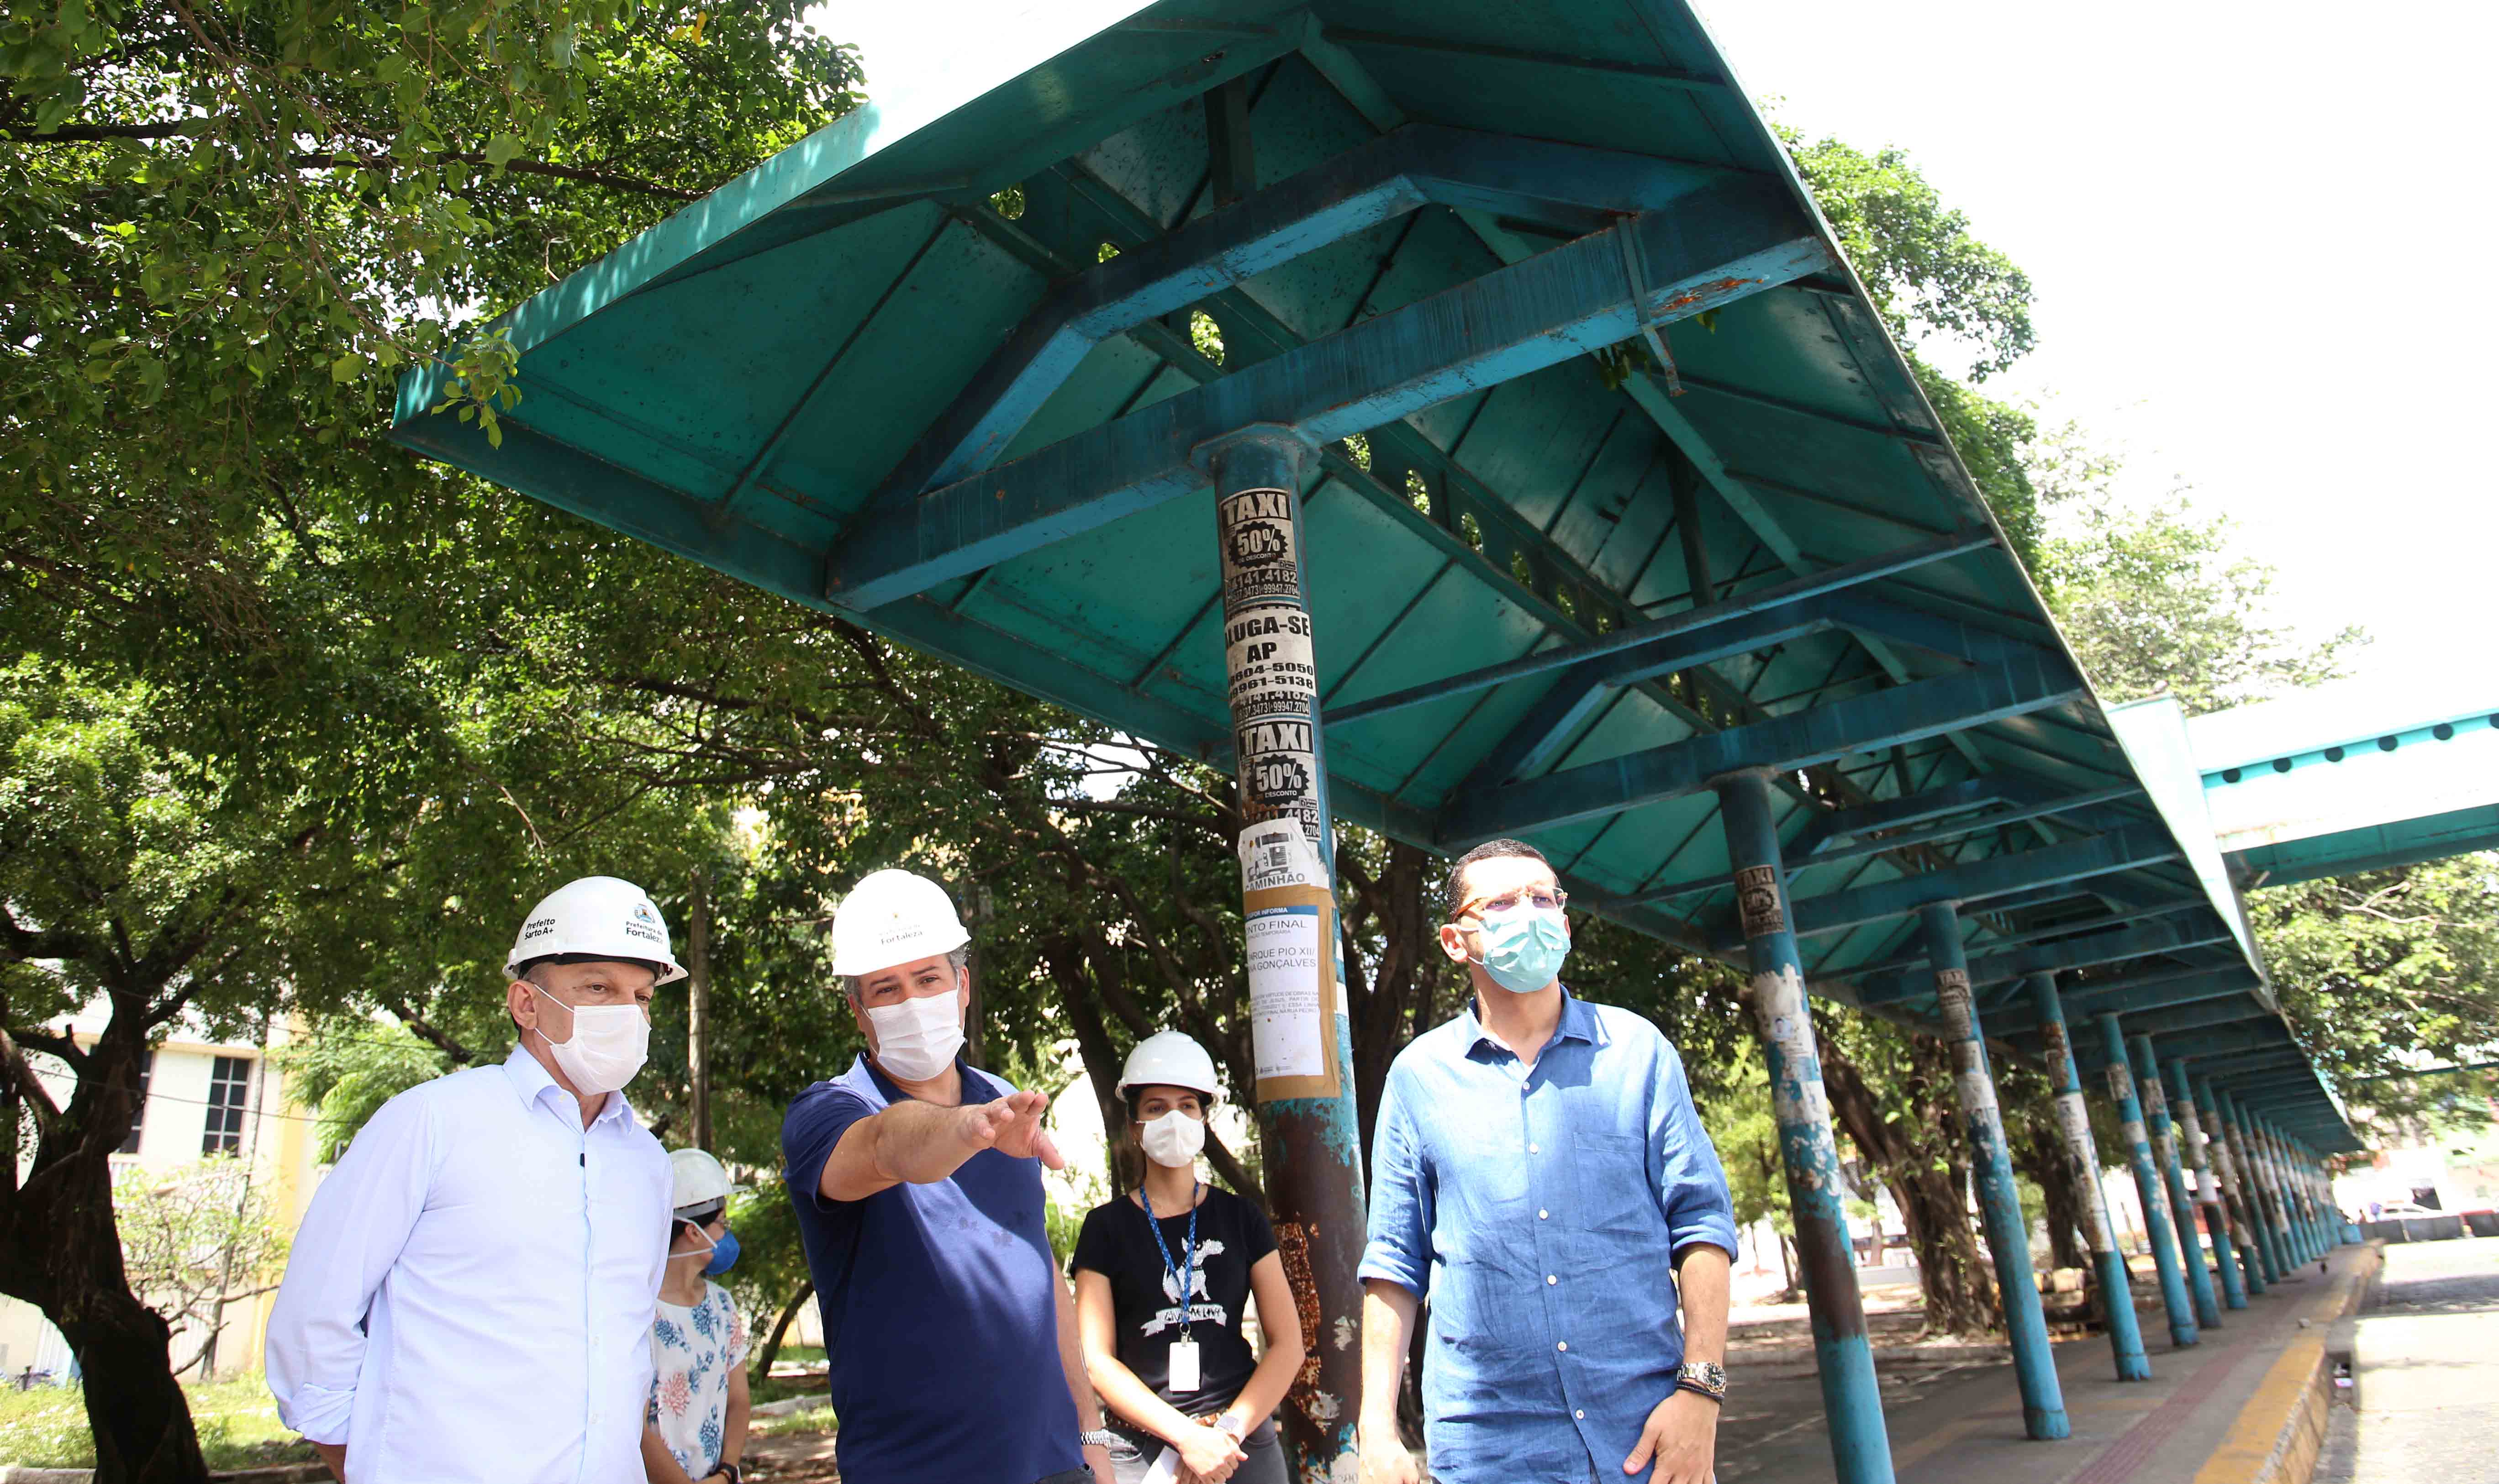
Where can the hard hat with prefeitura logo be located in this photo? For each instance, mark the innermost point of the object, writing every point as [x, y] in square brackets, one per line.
[597, 918]
[891, 918]
[1170, 1060]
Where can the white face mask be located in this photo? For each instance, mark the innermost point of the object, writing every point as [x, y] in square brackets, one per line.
[609, 1045]
[917, 1039]
[1172, 1140]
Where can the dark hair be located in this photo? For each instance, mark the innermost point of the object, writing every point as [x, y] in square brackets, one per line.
[1136, 1096]
[698, 1220]
[1490, 849]
[532, 966]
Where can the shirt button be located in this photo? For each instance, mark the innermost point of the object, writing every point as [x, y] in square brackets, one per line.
[1579, 1416]
[1539, 1215]
[1550, 1278]
[1530, 1148]
[1561, 1344]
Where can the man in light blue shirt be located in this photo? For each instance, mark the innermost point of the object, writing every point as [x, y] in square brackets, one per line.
[472, 1292]
[1540, 1174]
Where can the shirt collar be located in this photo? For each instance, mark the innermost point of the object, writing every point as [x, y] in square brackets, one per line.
[533, 1085]
[1579, 1023]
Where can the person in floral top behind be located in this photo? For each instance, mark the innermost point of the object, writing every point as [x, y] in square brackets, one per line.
[695, 1426]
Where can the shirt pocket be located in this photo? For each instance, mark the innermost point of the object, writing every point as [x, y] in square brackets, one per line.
[1615, 1196]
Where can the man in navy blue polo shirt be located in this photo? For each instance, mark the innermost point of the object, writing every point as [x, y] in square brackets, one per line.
[917, 1177]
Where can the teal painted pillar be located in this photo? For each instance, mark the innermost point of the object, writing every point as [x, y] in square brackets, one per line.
[2294, 1220]
[2234, 1192]
[2181, 1211]
[2208, 1186]
[1307, 1128]
[2268, 1199]
[2147, 1185]
[1999, 1201]
[2311, 1227]
[1852, 1403]
[2083, 1157]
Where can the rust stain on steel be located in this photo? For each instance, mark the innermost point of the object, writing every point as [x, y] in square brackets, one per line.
[1293, 1246]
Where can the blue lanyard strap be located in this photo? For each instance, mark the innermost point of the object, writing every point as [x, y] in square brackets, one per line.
[1186, 1271]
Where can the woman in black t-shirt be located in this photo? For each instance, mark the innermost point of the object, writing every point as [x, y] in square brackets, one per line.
[1164, 1276]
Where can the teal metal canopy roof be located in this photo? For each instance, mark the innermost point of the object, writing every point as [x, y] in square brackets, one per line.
[939, 368]
[2353, 776]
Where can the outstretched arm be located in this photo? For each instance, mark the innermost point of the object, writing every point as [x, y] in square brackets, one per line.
[919, 1143]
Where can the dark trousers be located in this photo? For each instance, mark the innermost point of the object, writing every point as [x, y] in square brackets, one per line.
[1264, 1466]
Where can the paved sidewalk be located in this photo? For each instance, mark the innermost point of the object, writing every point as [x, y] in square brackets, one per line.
[2426, 1362]
[1956, 1416]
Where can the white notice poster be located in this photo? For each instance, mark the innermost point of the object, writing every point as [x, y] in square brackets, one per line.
[1284, 1017]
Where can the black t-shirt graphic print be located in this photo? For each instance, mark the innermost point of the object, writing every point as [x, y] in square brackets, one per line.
[1147, 1313]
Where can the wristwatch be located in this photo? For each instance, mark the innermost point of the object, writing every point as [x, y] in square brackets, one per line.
[1706, 1378]
[1099, 1437]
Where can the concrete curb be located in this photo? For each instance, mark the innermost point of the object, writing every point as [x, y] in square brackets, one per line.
[2280, 1430]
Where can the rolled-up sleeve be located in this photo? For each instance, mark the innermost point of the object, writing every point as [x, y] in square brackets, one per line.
[352, 1235]
[1692, 1185]
[1399, 1241]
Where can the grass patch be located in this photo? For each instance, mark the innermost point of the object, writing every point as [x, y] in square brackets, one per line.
[237, 1420]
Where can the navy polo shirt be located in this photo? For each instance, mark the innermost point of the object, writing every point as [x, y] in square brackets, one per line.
[940, 1304]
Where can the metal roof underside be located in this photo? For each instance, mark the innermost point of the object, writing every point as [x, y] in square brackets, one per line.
[1544, 607]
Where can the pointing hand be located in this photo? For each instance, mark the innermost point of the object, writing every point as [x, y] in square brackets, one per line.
[1011, 1126]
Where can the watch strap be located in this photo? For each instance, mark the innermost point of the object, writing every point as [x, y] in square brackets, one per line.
[1099, 1437]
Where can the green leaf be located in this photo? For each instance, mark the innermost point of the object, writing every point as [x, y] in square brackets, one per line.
[502, 150]
[346, 367]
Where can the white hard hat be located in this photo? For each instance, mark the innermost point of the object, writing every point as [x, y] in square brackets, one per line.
[1170, 1060]
[699, 1180]
[893, 917]
[598, 915]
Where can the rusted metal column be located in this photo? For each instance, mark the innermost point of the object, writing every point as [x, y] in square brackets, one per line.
[1852, 1404]
[1301, 1039]
[2208, 1189]
[2237, 1198]
[2164, 1144]
[2147, 1184]
[2074, 1121]
[1999, 1199]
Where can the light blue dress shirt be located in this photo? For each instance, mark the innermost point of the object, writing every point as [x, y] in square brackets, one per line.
[1540, 1210]
[471, 1295]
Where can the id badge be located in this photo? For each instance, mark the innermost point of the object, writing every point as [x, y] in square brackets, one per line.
[1184, 1377]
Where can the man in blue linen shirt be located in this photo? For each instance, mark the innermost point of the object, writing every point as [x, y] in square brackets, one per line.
[949, 1338]
[1540, 1171]
[471, 1295]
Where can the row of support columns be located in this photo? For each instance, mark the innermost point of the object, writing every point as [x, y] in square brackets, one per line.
[2262, 1202]
[2255, 1198]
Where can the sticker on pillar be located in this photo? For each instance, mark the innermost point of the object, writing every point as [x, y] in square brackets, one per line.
[1268, 665]
[2059, 1053]
[1279, 773]
[1978, 1100]
[1260, 563]
[2153, 1101]
[1277, 854]
[1952, 998]
[2121, 1084]
[1288, 1023]
[1757, 901]
[2135, 1137]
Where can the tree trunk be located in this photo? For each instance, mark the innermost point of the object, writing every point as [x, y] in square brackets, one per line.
[59, 1250]
[698, 1009]
[2039, 1152]
[1918, 1157]
[771, 1350]
[1390, 999]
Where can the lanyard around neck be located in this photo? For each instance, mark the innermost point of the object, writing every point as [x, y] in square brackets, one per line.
[1187, 1272]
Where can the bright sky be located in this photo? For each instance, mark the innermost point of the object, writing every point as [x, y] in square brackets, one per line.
[2235, 220]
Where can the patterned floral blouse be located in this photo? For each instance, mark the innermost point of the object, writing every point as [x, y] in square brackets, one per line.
[693, 1351]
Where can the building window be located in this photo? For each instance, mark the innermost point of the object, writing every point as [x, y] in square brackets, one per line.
[139, 1114]
[229, 1090]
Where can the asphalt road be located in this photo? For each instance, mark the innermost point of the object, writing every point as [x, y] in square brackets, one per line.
[2428, 1372]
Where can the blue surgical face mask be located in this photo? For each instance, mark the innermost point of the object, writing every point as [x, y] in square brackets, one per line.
[1523, 948]
[724, 1255]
